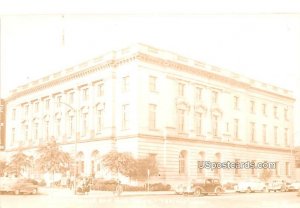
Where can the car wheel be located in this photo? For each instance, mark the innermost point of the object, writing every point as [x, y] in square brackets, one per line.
[17, 192]
[218, 191]
[249, 190]
[197, 192]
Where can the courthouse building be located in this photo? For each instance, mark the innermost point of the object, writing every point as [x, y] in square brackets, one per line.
[149, 101]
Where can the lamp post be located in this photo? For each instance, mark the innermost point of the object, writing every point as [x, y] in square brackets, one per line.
[75, 146]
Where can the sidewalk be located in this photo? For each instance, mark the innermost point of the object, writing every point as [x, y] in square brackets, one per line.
[68, 192]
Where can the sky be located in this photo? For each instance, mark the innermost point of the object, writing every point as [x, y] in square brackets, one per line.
[259, 39]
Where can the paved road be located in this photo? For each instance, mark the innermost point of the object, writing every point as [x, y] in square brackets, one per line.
[253, 200]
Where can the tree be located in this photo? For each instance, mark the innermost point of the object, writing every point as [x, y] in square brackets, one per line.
[52, 159]
[120, 162]
[3, 166]
[19, 162]
[145, 164]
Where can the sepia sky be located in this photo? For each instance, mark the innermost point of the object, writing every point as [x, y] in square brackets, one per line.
[259, 39]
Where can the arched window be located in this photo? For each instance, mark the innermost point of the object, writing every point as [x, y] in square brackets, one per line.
[94, 162]
[183, 162]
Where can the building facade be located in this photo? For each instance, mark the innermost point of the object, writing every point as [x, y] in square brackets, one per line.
[149, 101]
[2, 124]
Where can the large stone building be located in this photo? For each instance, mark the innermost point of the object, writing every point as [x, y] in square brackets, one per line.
[150, 101]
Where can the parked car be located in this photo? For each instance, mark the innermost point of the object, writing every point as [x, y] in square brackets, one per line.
[200, 187]
[294, 186]
[17, 185]
[251, 186]
[277, 186]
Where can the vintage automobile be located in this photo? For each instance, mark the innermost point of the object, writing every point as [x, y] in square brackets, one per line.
[18, 185]
[294, 186]
[201, 187]
[277, 186]
[251, 186]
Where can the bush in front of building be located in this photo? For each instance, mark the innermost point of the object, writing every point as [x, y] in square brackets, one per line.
[104, 185]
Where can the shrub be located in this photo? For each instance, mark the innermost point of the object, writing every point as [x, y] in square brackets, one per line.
[159, 187]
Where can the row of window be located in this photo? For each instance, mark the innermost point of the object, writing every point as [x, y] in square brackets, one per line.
[236, 101]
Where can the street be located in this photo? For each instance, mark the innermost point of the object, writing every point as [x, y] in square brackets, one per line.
[95, 200]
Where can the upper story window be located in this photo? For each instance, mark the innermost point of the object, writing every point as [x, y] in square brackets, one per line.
[275, 134]
[214, 97]
[36, 107]
[26, 110]
[264, 109]
[181, 87]
[198, 93]
[286, 117]
[252, 106]
[71, 97]
[152, 83]
[180, 120]
[85, 94]
[100, 89]
[236, 128]
[13, 114]
[236, 102]
[125, 116]
[152, 116]
[264, 133]
[252, 131]
[58, 101]
[275, 108]
[47, 104]
[125, 84]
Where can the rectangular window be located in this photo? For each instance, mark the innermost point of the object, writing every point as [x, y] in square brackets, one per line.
[13, 136]
[198, 94]
[198, 123]
[252, 131]
[286, 137]
[236, 102]
[264, 133]
[47, 104]
[286, 114]
[58, 127]
[180, 120]
[35, 131]
[85, 94]
[58, 101]
[252, 106]
[264, 109]
[125, 84]
[125, 116]
[13, 114]
[25, 131]
[275, 112]
[236, 128]
[99, 120]
[100, 89]
[152, 116]
[181, 87]
[84, 123]
[214, 97]
[275, 135]
[36, 107]
[46, 129]
[26, 110]
[215, 125]
[71, 98]
[152, 83]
